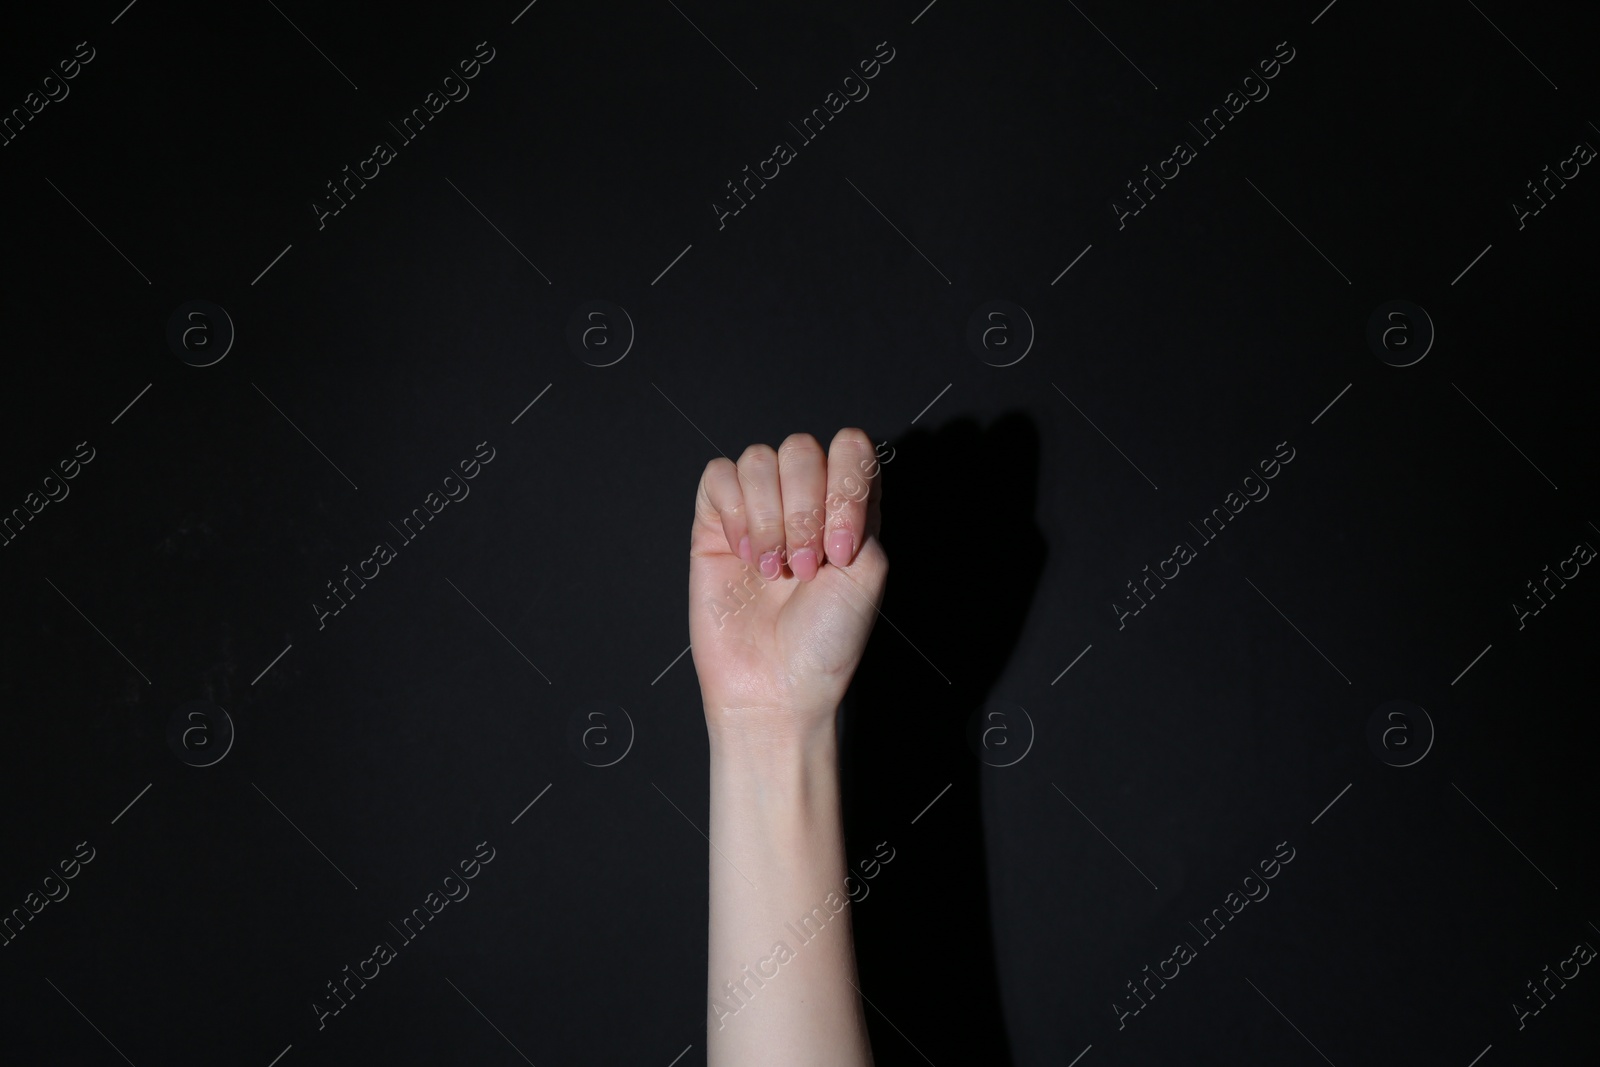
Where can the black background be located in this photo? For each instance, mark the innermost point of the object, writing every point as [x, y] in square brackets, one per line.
[1175, 754]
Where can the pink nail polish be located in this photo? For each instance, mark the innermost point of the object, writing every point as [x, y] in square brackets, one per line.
[770, 567]
[805, 564]
[744, 548]
[841, 547]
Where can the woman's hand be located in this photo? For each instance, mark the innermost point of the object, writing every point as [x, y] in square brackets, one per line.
[785, 577]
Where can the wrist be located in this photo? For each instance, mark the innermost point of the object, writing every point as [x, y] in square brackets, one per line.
[768, 731]
[780, 775]
[768, 734]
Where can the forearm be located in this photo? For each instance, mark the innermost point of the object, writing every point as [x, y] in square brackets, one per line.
[782, 974]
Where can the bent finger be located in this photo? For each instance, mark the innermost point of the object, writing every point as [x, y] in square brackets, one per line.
[803, 481]
[758, 470]
[850, 457]
[721, 500]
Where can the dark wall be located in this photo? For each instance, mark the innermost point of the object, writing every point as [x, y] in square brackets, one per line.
[1344, 329]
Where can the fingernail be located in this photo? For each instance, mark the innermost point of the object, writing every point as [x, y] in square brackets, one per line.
[770, 567]
[804, 563]
[841, 546]
[744, 548]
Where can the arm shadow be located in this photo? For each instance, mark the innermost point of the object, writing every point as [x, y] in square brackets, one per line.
[966, 556]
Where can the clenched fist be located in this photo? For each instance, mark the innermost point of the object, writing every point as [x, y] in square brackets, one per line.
[785, 577]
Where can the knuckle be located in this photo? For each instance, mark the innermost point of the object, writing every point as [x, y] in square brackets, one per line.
[757, 457]
[765, 524]
[799, 445]
[853, 438]
[852, 443]
[806, 524]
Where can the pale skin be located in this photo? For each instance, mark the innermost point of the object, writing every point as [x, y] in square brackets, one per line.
[795, 530]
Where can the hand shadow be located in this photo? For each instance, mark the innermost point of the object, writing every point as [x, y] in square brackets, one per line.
[965, 557]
